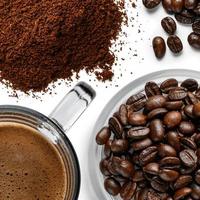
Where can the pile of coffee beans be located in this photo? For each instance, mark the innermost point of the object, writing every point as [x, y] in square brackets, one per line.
[185, 12]
[152, 144]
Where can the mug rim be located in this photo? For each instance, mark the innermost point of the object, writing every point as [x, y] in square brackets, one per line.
[24, 110]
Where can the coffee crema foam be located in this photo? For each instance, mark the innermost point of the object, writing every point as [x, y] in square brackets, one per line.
[31, 168]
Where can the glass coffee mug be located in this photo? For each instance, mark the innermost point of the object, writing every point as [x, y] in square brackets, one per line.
[54, 127]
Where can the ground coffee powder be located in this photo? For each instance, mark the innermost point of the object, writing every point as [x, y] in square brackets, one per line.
[42, 41]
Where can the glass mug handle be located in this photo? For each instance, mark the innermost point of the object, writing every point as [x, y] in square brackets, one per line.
[73, 105]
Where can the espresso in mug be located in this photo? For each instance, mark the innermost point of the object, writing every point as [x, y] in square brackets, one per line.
[31, 168]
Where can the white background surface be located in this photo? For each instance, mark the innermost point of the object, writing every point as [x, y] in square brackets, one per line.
[145, 62]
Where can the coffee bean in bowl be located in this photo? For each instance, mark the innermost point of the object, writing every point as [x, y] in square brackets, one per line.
[152, 143]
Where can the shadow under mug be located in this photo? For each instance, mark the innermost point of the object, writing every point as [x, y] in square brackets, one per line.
[54, 128]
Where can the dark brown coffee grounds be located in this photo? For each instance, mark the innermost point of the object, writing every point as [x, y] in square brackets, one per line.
[42, 41]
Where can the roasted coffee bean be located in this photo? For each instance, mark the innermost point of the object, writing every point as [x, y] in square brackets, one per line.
[182, 181]
[138, 133]
[159, 47]
[156, 130]
[187, 128]
[115, 127]
[136, 102]
[177, 5]
[173, 139]
[188, 157]
[152, 89]
[188, 110]
[152, 168]
[196, 110]
[141, 144]
[138, 176]
[167, 5]
[157, 113]
[190, 4]
[123, 114]
[168, 175]
[137, 119]
[196, 27]
[191, 99]
[177, 94]
[197, 176]
[168, 84]
[161, 158]
[104, 167]
[172, 119]
[103, 136]
[169, 25]
[195, 191]
[112, 186]
[188, 170]
[151, 3]
[188, 143]
[190, 84]
[197, 93]
[197, 9]
[148, 155]
[125, 168]
[170, 163]
[152, 195]
[174, 43]
[157, 101]
[182, 193]
[165, 150]
[194, 40]
[185, 17]
[197, 139]
[159, 185]
[107, 148]
[173, 105]
[119, 146]
[128, 190]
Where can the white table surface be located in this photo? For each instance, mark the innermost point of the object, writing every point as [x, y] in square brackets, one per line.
[145, 62]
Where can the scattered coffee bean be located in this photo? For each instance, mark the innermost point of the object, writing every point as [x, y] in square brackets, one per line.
[177, 5]
[196, 27]
[169, 25]
[152, 144]
[167, 5]
[159, 47]
[194, 40]
[174, 43]
[151, 3]
[185, 17]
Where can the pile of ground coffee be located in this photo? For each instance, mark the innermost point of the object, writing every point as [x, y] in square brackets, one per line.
[42, 41]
